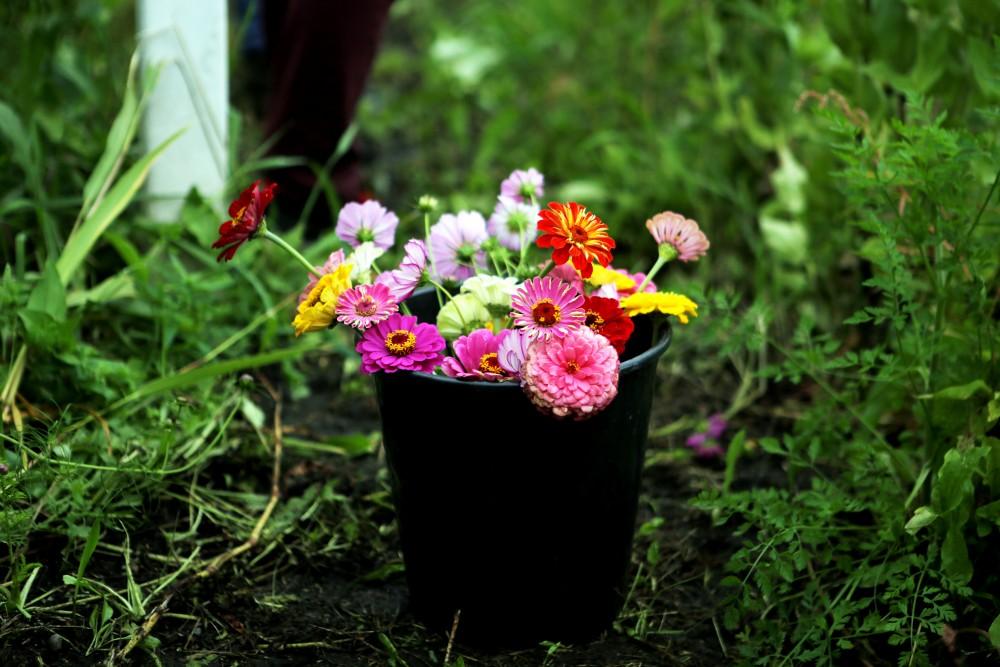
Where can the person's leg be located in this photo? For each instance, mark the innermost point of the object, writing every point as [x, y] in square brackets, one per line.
[320, 52]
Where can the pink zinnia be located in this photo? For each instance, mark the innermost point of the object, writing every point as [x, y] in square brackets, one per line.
[682, 234]
[567, 274]
[402, 281]
[401, 344]
[369, 221]
[522, 184]
[476, 358]
[576, 375]
[512, 348]
[513, 221]
[362, 306]
[455, 245]
[547, 307]
[335, 259]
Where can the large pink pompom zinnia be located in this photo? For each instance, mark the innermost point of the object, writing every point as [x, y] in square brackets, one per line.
[546, 307]
[369, 221]
[522, 184]
[402, 281]
[400, 343]
[455, 245]
[573, 376]
[476, 358]
[682, 234]
[364, 305]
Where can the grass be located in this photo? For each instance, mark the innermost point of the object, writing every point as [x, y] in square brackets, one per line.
[188, 481]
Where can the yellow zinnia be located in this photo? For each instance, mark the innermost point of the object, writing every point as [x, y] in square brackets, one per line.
[318, 310]
[668, 303]
[602, 276]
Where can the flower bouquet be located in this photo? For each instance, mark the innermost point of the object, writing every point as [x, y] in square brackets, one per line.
[515, 389]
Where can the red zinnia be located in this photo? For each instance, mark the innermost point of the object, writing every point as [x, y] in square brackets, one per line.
[608, 318]
[575, 233]
[246, 213]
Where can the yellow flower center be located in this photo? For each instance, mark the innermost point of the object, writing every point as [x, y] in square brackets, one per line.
[366, 306]
[400, 342]
[572, 367]
[488, 363]
[545, 313]
[594, 320]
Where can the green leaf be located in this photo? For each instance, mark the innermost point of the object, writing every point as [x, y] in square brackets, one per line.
[44, 331]
[962, 392]
[955, 555]
[787, 239]
[990, 512]
[49, 295]
[922, 516]
[253, 414]
[93, 537]
[83, 239]
[953, 483]
[733, 453]
[995, 632]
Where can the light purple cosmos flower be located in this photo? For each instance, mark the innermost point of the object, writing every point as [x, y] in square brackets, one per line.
[513, 221]
[370, 221]
[455, 243]
[522, 184]
[364, 305]
[476, 358]
[512, 348]
[335, 259]
[400, 343]
[402, 281]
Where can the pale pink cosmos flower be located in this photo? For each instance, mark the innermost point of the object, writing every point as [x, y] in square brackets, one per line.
[476, 358]
[335, 259]
[455, 245]
[522, 184]
[404, 280]
[681, 233]
[365, 305]
[546, 307]
[369, 221]
[513, 221]
[511, 349]
[573, 376]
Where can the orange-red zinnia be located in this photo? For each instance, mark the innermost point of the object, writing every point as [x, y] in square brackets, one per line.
[574, 233]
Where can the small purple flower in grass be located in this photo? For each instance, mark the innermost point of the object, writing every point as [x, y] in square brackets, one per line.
[476, 358]
[522, 184]
[404, 280]
[370, 221]
[400, 343]
[707, 445]
[455, 245]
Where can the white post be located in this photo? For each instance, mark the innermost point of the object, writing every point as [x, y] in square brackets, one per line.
[188, 38]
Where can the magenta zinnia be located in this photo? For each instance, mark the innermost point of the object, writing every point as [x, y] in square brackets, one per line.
[573, 376]
[547, 307]
[400, 343]
[683, 235]
[476, 358]
[362, 306]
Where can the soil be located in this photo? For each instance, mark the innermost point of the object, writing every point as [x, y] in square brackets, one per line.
[347, 604]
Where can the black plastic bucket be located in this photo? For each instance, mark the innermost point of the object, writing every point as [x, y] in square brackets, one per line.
[522, 521]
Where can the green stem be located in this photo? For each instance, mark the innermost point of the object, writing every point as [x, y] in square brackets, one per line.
[281, 243]
[545, 270]
[660, 261]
